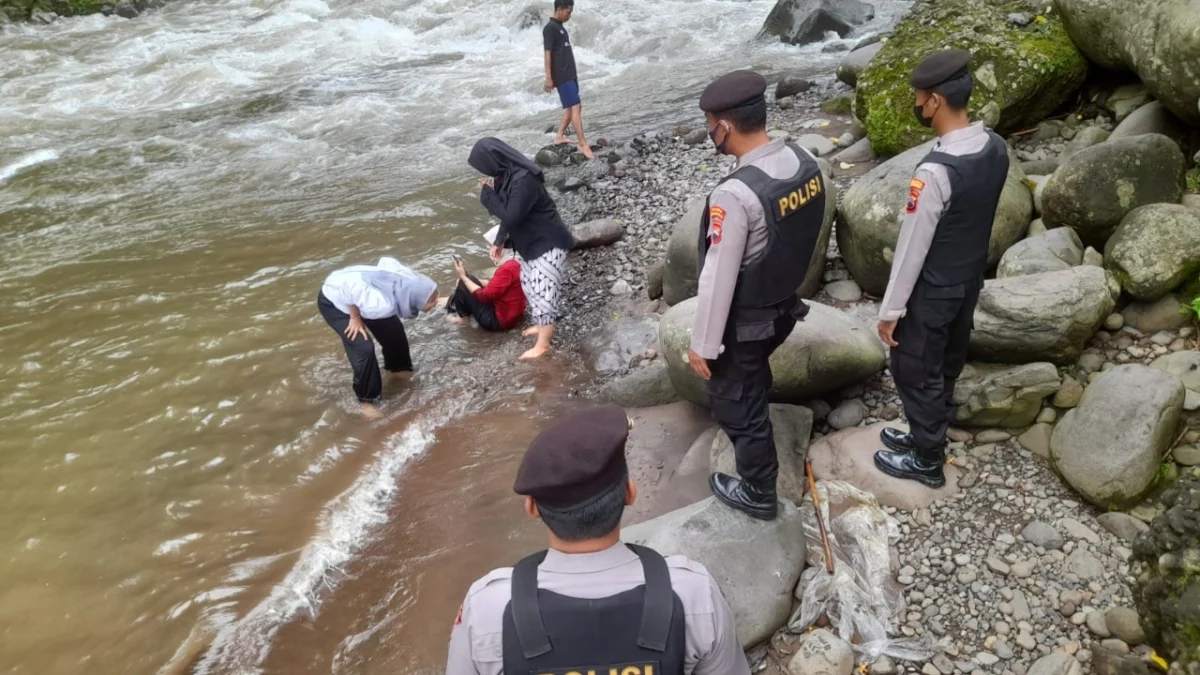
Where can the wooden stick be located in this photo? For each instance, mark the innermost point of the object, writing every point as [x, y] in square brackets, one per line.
[812, 489]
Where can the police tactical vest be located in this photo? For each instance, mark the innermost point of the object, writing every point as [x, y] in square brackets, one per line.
[794, 209]
[959, 251]
[638, 632]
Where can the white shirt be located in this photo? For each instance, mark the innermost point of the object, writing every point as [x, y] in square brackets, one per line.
[347, 287]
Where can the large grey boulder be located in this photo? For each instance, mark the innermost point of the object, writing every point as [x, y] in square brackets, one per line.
[1151, 317]
[1156, 39]
[1056, 250]
[681, 271]
[1096, 188]
[681, 274]
[719, 538]
[990, 395]
[610, 349]
[1186, 366]
[856, 61]
[1152, 118]
[870, 217]
[800, 22]
[791, 426]
[849, 455]
[1041, 317]
[1109, 447]
[826, 351]
[1155, 250]
[643, 387]
[594, 233]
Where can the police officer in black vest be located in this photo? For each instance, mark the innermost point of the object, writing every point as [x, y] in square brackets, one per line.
[938, 268]
[757, 238]
[591, 605]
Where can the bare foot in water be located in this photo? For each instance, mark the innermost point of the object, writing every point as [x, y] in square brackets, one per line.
[399, 376]
[561, 140]
[532, 331]
[534, 353]
[370, 411]
[587, 151]
[460, 320]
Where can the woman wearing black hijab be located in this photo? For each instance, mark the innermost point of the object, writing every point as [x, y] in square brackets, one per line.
[514, 191]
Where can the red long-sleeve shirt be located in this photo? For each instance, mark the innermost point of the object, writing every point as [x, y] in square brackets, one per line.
[505, 294]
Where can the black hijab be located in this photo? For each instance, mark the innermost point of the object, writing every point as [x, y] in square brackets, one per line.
[493, 157]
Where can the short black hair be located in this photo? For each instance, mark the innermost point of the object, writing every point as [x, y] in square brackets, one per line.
[563, 4]
[592, 519]
[957, 92]
[747, 118]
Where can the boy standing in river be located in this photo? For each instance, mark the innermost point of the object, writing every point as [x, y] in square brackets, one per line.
[559, 62]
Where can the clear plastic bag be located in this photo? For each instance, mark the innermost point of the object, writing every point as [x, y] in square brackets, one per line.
[862, 602]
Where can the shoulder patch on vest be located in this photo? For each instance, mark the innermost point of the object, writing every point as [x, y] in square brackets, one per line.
[716, 220]
[914, 194]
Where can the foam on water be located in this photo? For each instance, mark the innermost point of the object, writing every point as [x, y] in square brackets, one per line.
[30, 160]
[345, 526]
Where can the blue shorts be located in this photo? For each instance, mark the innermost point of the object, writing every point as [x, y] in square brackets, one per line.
[568, 93]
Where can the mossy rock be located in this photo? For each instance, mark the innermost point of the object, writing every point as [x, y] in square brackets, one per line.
[1022, 74]
[841, 105]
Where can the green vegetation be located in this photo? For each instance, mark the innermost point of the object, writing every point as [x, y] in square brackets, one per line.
[1022, 74]
[23, 10]
[1193, 180]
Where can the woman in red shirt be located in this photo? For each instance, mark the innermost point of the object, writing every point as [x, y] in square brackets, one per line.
[496, 305]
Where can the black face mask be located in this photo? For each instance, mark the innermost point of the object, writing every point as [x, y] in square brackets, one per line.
[712, 136]
[919, 111]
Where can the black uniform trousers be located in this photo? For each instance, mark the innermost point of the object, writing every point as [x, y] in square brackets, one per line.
[464, 303]
[933, 337]
[738, 389]
[368, 383]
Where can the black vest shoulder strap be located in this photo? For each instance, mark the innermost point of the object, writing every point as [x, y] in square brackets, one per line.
[526, 615]
[656, 612]
[659, 602]
[755, 177]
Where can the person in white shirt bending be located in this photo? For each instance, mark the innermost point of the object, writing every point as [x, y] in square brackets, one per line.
[359, 298]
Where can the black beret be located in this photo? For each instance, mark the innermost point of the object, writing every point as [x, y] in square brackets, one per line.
[580, 456]
[736, 89]
[940, 67]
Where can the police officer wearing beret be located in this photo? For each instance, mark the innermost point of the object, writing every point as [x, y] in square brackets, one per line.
[938, 269]
[757, 237]
[591, 604]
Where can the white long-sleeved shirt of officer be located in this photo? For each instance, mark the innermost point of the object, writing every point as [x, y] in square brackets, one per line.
[920, 224]
[347, 287]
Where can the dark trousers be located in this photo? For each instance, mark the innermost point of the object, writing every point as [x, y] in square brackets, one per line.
[368, 383]
[933, 336]
[737, 393]
[464, 303]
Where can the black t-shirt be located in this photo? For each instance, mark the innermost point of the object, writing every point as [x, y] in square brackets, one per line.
[562, 59]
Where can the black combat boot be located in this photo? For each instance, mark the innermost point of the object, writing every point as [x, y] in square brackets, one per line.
[895, 439]
[758, 500]
[923, 466]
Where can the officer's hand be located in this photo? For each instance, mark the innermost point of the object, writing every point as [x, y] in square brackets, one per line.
[494, 254]
[885, 333]
[699, 364]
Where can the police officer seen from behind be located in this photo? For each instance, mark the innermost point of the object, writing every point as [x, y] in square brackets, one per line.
[591, 604]
[939, 265]
[759, 230]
